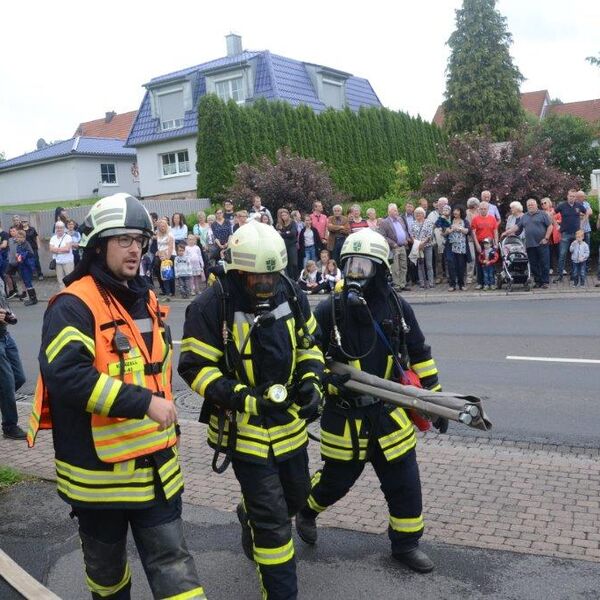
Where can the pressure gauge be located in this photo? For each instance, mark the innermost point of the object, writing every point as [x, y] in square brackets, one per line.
[277, 393]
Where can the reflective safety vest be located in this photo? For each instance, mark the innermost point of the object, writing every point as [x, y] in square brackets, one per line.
[115, 439]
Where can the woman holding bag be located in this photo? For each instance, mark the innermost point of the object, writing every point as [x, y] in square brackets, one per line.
[62, 253]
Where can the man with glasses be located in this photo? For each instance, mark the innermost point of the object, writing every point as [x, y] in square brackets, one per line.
[105, 389]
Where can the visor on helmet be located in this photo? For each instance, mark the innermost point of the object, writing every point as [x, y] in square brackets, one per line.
[261, 285]
[359, 268]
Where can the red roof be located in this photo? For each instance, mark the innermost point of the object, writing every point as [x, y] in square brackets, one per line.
[111, 126]
[533, 102]
[586, 109]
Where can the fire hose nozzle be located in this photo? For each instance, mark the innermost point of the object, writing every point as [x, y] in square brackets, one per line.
[465, 418]
[473, 410]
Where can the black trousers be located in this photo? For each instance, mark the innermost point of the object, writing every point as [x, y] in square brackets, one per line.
[400, 484]
[457, 264]
[273, 493]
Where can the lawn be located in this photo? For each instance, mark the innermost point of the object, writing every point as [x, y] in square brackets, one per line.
[27, 208]
[8, 477]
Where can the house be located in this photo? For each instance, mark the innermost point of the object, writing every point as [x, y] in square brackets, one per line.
[81, 167]
[113, 126]
[165, 130]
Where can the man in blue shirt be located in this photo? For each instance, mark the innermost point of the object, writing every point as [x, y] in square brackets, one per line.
[396, 233]
[571, 212]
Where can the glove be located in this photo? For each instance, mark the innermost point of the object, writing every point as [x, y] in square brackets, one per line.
[252, 400]
[336, 380]
[441, 424]
[309, 396]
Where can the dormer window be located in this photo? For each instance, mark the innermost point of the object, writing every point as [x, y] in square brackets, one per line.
[170, 108]
[333, 93]
[231, 88]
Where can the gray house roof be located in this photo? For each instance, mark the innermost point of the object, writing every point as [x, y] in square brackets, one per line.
[277, 78]
[77, 146]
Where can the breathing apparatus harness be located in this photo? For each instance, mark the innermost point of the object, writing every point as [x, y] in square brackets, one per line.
[234, 358]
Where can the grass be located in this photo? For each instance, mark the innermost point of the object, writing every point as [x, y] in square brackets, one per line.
[18, 208]
[8, 477]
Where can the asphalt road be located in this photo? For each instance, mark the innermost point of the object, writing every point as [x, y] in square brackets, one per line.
[542, 401]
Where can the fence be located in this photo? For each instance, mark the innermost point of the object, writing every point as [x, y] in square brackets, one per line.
[43, 221]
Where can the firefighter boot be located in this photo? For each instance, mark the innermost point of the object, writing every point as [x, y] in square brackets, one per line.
[32, 297]
[246, 531]
[415, 560]
[306, 525]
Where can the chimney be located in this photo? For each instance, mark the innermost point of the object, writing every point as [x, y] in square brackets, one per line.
[109, 116]
[234, 44]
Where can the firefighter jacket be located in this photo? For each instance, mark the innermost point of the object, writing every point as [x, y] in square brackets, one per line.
[269, 354]
[108, 452]
[349, 423]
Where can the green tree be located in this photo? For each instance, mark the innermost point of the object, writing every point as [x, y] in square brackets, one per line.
[482, 83]
[571, 141]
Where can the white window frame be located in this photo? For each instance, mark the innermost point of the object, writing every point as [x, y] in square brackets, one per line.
[229, 80]
[171, 123]
[176, 163]
[105, 183]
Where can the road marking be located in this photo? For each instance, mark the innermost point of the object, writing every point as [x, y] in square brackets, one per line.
[584, 361]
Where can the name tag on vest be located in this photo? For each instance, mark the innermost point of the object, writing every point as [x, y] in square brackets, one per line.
[131, 365]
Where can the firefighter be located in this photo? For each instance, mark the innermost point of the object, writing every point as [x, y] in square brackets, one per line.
[250, 348]
[105, 389]
[369, 327]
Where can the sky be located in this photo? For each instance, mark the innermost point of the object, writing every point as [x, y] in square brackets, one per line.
[66, 62]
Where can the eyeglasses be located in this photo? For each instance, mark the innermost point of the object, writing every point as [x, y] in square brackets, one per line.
[125, 241]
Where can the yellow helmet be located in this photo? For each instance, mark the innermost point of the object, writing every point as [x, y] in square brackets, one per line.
[366, 242]
[256, 248]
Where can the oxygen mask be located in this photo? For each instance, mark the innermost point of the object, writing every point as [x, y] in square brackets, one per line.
[358, 273]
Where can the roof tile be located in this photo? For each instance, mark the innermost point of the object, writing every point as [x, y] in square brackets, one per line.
[117, 128]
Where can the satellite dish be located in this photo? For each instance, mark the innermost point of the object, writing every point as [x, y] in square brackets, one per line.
[41, 144]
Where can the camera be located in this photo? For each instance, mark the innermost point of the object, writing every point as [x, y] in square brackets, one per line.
[10, 318]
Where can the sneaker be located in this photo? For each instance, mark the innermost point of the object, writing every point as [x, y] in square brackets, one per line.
[246, 531]
[564, 272]
[11, 294]
[451, 289]
[551, 271]
[478, 287]
[486, 288]
[14, 433]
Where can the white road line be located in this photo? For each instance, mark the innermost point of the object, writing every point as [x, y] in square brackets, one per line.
[583, 361]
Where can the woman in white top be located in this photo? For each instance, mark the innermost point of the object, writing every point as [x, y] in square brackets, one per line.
[165, 251]
[179, 228]
[60, 247]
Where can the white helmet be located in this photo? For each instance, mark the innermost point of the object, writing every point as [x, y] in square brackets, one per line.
[114, 215]
[366, 242]
[256, 248]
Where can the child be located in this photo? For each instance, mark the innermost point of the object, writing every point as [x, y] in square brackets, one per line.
[311, 280]
[322, 263]
[580, 252]
[26, 266]
[194, 253]
[332, 274]
[183, 271]
[488, 257]
[146, 269]
[309, 241]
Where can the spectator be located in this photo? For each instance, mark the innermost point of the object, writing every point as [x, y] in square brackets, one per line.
[228, 213]
[289, 232]
[13, 265]
[32, 237]
[422, 232]
[12, 376]
[75, 236]
[372, 220]
[319, 220]
[332, 274]
[257, 209]
[16, 222]
[311, 280]
[483, 226]
[242, 219]
[194, 253]
[409, 214]
[396, 233]
[221, 230]
[338, 228]
[457, 248]
[409, 217]
[26, 265]
[472, 211]
[165, 252]
[486, 196]
[554, 244]
[580, 252]
[537, 226]
[324, 258]
[60, 214]
[265, 219]
[3, 252]
[488, 257]
[183, 271]
[297, 218]
[438, 239]
[309, 242]
[355, 219]
[424, 204]
[179, 228]
[570, 212]
[516, 212]
[581, 197]
[152, 245]
[60, 247]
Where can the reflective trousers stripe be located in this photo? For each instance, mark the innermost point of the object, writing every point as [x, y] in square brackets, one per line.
[409, 525]
[109, 590]
[195, 594]
[274, 556]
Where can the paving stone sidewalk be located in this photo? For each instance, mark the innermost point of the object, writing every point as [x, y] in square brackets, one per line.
[486, 493]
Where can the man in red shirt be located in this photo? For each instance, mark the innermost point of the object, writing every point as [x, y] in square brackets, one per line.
[319, 221]
[483, 226]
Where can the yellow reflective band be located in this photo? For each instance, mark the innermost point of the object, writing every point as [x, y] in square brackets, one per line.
[103, 395]
[109, 590]
[294, 344]
[344, 455]
[399, 415]
[411, 525]
[311, 354]
[355, 364]
[195, 594]
[130, 365]
[291, 444]
[205, 376]
[311, 323]
[246, 447]
[312, 503]
[425, 368]
[250, 405]
[106, 494]
[67, 335]
[400, 449]
[279, 431]
[174, 486]
[201, 349]
[241, 329]
[274, 556]
[118, 476]
[395, 438]
[342, 441]
[388, 366]
[436, 388]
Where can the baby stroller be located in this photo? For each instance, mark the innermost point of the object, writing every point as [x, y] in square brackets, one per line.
[515, 263]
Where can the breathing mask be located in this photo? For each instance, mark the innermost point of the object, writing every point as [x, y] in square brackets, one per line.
[358, 273]
[261, 288]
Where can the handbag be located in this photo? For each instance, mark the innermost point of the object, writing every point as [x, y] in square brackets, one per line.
[52, 265]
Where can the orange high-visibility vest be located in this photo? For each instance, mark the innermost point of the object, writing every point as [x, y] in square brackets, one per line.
[117, 439]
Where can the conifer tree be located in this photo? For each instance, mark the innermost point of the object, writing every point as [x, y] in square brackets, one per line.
[482, 83]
